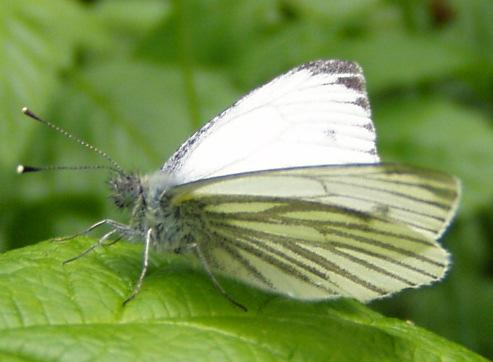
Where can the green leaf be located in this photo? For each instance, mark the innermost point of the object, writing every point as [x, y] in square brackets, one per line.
[74, 312]
[142, 105]
[334, 10]
[397, 59]
[441, 134]
[36, 43]
[474, 27]
[130, 16]
[229, 29]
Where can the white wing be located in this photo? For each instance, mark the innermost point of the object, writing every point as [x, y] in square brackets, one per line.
[361, 231]
[315, 114]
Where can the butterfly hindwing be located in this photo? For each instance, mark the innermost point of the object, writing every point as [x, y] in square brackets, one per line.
[361, 231]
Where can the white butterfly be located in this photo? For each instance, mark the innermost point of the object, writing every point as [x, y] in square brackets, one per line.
[285, 191]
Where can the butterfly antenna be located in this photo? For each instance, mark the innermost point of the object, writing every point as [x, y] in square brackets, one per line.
[27, 169]
[24, 169]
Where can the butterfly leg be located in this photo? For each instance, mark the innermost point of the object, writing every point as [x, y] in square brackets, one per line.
[113, 223]
[100, 242]
[143, 272]
[215, 282]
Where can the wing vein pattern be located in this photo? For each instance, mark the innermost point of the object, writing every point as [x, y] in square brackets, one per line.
[284, 190]
[362, 231]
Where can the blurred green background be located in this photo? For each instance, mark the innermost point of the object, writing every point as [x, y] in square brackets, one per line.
[135, 78]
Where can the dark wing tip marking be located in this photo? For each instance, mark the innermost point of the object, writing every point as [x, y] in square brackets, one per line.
[369, 125]
[331, 67]
[351, 76]
[356, 83]
[363, 102]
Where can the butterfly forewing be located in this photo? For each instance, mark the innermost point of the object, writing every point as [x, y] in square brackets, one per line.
[362, 231]
[317, 113]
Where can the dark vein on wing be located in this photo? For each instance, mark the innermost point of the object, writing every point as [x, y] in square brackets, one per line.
[372, 201]
[296, 205]
[280, 262]
[373, 267]
[307, 254]
[444, 206]
[224, 244]
[285, 240]
[263, 245]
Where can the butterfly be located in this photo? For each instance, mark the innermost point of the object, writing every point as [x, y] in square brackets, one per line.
[285, 191]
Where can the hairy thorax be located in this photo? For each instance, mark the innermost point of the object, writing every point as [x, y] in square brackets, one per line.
[154, 210]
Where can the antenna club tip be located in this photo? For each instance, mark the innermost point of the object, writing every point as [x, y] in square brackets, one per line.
[21, 169]
[30, 114]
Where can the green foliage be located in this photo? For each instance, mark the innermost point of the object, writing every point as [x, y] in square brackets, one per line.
[74, 312]
[135, 78]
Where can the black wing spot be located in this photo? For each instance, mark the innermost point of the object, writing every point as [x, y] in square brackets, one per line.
[331, 134]
[355, 83]
[369, 127]
[363, 103]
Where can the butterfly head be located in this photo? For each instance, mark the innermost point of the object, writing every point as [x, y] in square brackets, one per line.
[125, 189]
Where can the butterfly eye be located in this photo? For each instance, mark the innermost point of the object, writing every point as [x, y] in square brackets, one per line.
[126, 189]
